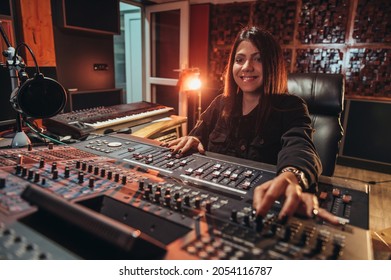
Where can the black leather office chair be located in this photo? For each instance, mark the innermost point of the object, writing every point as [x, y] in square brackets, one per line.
[324, 94]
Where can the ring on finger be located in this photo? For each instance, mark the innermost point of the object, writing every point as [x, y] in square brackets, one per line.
[315, 212]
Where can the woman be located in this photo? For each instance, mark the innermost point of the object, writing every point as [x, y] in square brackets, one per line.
[255, 118]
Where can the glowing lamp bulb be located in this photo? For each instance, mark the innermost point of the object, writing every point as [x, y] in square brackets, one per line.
[194, 84]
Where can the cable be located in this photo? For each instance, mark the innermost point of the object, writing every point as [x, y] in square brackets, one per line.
[35, 130]
[363, 181]
[32, 54]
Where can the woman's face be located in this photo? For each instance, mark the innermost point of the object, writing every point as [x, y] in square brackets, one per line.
[247, 68]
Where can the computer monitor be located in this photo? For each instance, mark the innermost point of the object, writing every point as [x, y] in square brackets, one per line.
[367, 135]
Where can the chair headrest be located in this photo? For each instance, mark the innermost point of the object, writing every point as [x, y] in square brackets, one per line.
[323, 93]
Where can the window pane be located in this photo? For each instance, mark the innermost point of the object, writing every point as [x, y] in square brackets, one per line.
[165, 44]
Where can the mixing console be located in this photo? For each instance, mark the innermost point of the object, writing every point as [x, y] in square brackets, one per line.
[193, 206]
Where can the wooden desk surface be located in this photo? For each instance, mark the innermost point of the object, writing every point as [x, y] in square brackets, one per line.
[160, 125]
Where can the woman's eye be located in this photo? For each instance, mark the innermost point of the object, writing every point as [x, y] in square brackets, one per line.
[239, 60]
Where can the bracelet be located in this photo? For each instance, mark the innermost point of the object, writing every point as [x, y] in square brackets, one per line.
[300, 176]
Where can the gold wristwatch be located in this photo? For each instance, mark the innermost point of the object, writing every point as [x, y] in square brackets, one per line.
[301, 179]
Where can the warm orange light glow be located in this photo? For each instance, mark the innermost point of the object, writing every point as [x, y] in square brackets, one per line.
[193, 83]
[190, 79]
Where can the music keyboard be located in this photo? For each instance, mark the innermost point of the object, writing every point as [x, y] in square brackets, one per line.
[120, 120]
[81, 123]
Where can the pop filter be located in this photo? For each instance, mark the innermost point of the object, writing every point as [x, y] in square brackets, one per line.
[39, 97]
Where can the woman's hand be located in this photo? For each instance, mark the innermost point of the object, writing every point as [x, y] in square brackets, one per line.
[285, 186]
[184, 144]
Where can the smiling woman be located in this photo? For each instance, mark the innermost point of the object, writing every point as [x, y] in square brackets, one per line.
[255, 118]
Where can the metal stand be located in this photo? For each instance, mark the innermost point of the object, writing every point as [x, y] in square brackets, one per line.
[13, 63]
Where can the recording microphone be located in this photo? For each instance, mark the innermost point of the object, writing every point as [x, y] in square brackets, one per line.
[39, 97]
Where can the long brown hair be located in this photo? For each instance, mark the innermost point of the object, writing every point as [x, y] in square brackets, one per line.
[273, 64]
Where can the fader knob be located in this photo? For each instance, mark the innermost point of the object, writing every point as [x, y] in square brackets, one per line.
[81, 177]
[66, 172]
[123, 180]
[234, 215]
[55, 174]
[246, 220]
[91, 182]
[54, 166]
[157, 197]
[41, 163]
[96, 170]
[140, 185]
[78, 163]
[18, 169]
[36, 177]
[168, 191]
[167, 200]
[337, 251]
[258, 223]
[109, 175]
[178, 203]
[24, 171]
[146, 194]
[187, 200]
[208, 206]
[90, 167]
[116, 177]
[19, 159]
[30, 174]
[102, 172]
[197, 202]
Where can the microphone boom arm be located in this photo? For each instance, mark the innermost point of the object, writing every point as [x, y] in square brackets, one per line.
[14, 63]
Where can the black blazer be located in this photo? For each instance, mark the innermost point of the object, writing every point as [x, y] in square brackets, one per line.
[285, 141]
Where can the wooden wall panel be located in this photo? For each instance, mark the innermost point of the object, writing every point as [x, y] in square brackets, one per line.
[37, 29]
